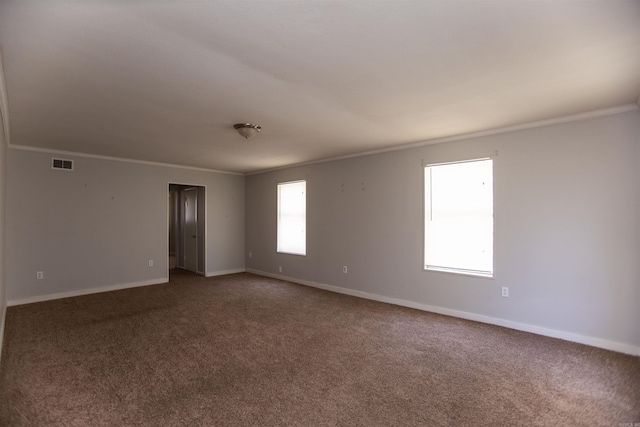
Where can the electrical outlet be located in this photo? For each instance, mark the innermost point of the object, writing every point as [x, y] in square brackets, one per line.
[250, 255]
[150, 263]
[39, 275]
[505, 292]
[344, 268]
[280, 269]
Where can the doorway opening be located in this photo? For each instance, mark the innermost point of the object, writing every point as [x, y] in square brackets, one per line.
[187, 228]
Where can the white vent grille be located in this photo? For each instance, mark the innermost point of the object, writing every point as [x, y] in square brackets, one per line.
[63, 164]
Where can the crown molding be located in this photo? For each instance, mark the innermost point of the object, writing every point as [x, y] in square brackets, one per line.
[117, 159]
[488, 132]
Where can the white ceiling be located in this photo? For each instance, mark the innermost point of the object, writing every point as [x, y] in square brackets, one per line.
[164, 81]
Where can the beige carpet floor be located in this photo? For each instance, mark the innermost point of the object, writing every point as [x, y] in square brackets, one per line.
[243, 350]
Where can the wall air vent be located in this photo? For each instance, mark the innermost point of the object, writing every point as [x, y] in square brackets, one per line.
[62, 164]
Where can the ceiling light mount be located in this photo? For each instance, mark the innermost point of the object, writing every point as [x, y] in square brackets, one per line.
[247, 130]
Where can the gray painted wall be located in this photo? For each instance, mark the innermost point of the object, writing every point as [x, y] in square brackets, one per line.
[98, 226]
[567, 227]
[3, 299]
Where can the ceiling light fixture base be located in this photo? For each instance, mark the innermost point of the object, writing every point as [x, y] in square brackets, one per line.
[247, 130]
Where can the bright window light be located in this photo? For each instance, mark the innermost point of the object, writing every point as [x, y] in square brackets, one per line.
[292, 217]
[458, 231]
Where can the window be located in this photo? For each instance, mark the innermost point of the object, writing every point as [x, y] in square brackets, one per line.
[458, 230]
[292, 217]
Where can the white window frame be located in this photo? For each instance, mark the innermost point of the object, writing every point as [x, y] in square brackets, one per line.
[476, 267]
[285, 229]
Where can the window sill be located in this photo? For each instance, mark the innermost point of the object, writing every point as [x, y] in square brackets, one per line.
[291, 253]
[459, 272]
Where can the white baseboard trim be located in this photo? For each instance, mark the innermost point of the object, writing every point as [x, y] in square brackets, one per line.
[49, 297]
[79, 292]
[225, 272]
[553, 333]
